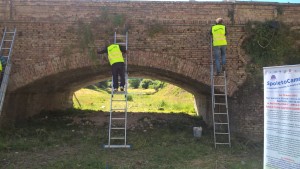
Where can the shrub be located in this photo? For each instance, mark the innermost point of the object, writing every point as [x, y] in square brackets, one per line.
[152, 84]
[102, 85]
[271, 43]
[129, 98]
[162, 104]
[158, 84]
[146, 83]
[134, 83]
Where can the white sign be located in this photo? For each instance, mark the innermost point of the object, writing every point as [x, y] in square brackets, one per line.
[282, 117]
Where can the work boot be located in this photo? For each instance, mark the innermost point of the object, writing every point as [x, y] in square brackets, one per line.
[115, 89]
[121, 88]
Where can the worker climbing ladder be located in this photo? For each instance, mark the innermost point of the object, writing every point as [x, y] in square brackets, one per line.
[117, 134]
[219, 106]
[6, 47]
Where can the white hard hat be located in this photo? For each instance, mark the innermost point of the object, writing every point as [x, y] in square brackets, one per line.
[218, 20]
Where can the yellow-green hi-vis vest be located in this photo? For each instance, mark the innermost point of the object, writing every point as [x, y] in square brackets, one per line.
[219, 38]
[114, 54]
[1, 67]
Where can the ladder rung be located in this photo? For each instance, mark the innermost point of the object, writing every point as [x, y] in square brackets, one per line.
[221, 133]
[219, 94]
[222, 143]
[219, 85]
[8, 40]
[118, 128]
[118, 109]
[118, 100]
[5, 48]
[221, 123]
[117, 138]
[121, 43]
[118, 118]
[119, 92]
[220, 113]
[120, 36]
[117, 146]
[5, 56]
[221, 104]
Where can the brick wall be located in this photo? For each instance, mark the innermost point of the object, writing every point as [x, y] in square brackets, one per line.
[47, 59]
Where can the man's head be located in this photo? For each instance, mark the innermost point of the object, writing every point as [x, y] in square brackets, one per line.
[219, 20]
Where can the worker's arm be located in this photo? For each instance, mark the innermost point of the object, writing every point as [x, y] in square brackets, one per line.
[123, 49]
[101, 51]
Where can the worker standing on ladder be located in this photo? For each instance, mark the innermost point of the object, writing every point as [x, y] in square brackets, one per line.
[219, 33]
[116, 61]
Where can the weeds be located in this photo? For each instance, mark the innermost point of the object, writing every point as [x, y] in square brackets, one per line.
[78, 145]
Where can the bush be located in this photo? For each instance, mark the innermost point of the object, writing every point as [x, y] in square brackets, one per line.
[158, 84]
[102, 85]
[134, 83]
[271, 43]
[152, 84]
[146, 83]
[161, 105]
[129, 98]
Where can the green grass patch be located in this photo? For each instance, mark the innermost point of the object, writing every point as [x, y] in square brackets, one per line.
[168, 99]
[54, 141]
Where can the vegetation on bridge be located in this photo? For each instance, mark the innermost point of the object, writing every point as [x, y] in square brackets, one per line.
[270, 43]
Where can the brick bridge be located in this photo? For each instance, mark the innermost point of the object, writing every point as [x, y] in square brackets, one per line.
[54, 51]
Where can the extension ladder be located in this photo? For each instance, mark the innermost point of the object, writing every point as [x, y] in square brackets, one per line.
[219, 107]
[117, 134]
[6, 47]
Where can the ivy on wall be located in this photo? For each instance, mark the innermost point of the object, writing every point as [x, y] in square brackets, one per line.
[270, 43]
[88, 32]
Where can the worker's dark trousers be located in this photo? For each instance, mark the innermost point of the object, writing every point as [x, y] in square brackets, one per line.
[118, 69]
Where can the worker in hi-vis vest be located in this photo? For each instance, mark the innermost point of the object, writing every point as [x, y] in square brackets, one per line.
[116, 60]
[219, 33]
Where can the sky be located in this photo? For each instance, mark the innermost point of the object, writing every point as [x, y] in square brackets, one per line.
[279, 1]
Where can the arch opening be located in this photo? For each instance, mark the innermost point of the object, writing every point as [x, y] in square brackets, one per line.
[144, 95]
[56, 91]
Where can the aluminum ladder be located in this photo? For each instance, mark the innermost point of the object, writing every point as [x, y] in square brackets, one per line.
[6, 47]
[219, 106]
[117, 134]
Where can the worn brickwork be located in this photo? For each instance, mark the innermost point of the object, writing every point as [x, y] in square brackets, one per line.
[49, 64]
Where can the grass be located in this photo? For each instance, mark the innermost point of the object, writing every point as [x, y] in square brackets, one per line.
[169, 99]
[75, 138]
[53, 141]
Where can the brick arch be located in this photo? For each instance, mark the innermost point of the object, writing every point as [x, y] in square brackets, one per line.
[54, 91]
